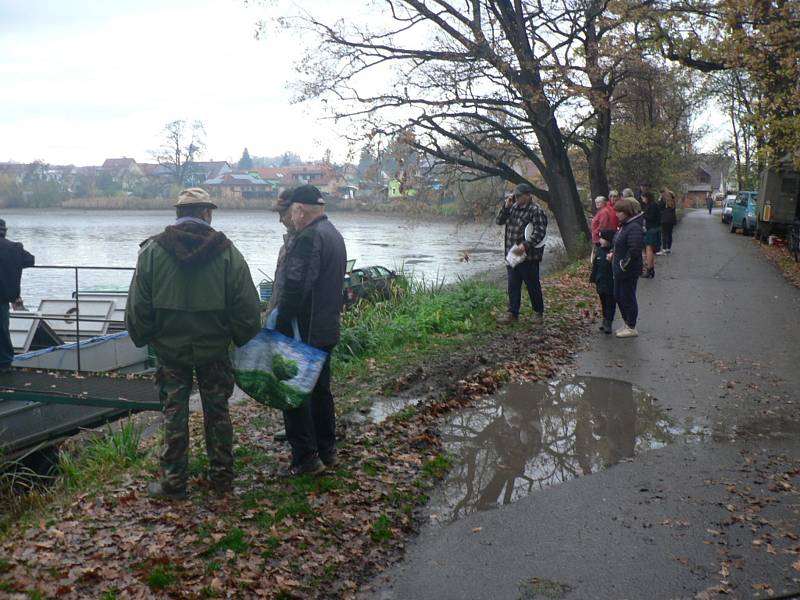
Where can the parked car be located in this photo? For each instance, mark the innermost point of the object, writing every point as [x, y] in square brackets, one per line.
[373, 283]
[727, 208]
[743, 215]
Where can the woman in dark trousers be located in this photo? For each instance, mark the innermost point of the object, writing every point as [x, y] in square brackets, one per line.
[652, 237]
[668, 220]
[627, 264]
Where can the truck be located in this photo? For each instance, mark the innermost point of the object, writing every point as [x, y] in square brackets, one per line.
[778, 199]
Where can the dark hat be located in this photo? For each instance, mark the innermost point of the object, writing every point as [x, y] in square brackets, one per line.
[523, 188]
[307, 194]
[2, 225]
[607, 235]
[283, 203]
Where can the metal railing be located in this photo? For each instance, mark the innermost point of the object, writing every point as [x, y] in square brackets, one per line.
[76, 316]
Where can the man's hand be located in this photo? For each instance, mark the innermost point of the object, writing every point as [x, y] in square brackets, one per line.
[18, 304]
[518, 249]
[509, 200]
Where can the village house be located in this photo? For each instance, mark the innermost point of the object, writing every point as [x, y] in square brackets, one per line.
[710, 176]
[124, 172]
[240, 186]
[202, 171]
[320, 175]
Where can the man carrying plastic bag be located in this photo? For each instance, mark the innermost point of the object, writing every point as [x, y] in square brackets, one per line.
[312, 294]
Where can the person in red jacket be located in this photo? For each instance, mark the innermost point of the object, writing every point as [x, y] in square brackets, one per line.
[604, 218]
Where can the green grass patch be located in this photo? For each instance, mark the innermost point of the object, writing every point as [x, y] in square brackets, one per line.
[437, 467]
[406, 501]
[213, 566]
[101, 459]
[420, 318]
[270, 544]
[254, 457]
[406, 414]
[233, 540]
[160, 577]
[198, 463]
[381, 530]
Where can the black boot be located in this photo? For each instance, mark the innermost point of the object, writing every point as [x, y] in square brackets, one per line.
[608, 327]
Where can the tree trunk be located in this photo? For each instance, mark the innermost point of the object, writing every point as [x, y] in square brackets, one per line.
[598, 156]
[565, 203]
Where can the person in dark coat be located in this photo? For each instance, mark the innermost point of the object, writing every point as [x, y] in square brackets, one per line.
[13, 258]
[627, 265]
[311, 292]
[603, 278]
[652, 237]
[668, 220]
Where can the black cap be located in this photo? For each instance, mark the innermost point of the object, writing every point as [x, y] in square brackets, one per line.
[307, 194]
[282, 204]
[523, 188]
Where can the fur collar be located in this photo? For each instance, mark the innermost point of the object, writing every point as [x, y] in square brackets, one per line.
[191, 243]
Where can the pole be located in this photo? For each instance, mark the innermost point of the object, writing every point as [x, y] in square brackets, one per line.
[77, 321]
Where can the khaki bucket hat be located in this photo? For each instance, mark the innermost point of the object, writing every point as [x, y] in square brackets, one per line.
[195, 197]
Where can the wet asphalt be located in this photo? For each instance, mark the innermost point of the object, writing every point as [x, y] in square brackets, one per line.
[719, 347]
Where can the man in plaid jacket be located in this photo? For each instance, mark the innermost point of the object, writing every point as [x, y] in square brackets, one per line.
[518, 211]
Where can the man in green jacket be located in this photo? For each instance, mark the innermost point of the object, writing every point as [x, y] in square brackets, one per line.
[191, 296]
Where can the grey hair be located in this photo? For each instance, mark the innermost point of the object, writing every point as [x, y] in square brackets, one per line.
[601, 199]
[627, 193]
[613, 193]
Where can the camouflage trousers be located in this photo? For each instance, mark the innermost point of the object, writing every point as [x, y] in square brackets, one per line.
[215, 381]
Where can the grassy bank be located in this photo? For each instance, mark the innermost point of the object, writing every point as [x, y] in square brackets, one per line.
[420, 319]
[99, 535]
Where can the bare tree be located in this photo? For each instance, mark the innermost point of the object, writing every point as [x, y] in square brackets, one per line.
[481, 84]
[182, 144]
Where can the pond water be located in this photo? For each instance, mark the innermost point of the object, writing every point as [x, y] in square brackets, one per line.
[429, 249]
[531, 436]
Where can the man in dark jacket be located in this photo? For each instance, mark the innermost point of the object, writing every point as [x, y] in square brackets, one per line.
[311, 292]
[516, 214]
[191, 296]
[13, 258]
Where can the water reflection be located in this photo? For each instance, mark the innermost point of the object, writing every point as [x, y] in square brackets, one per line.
[529, 436]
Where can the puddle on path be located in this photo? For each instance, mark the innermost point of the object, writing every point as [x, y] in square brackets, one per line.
[381, 409]
[530, 436]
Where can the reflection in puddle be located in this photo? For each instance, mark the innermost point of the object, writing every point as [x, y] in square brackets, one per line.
[530, 436]
[381, 409]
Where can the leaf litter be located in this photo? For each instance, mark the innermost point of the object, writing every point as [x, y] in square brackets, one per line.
[302, 537]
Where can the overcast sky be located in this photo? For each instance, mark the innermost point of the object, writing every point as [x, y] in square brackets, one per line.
[85, 80]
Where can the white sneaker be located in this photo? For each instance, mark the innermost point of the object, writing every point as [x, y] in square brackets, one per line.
[661, 253]
[627, 332]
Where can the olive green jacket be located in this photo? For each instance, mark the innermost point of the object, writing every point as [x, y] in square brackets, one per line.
[191, 296]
